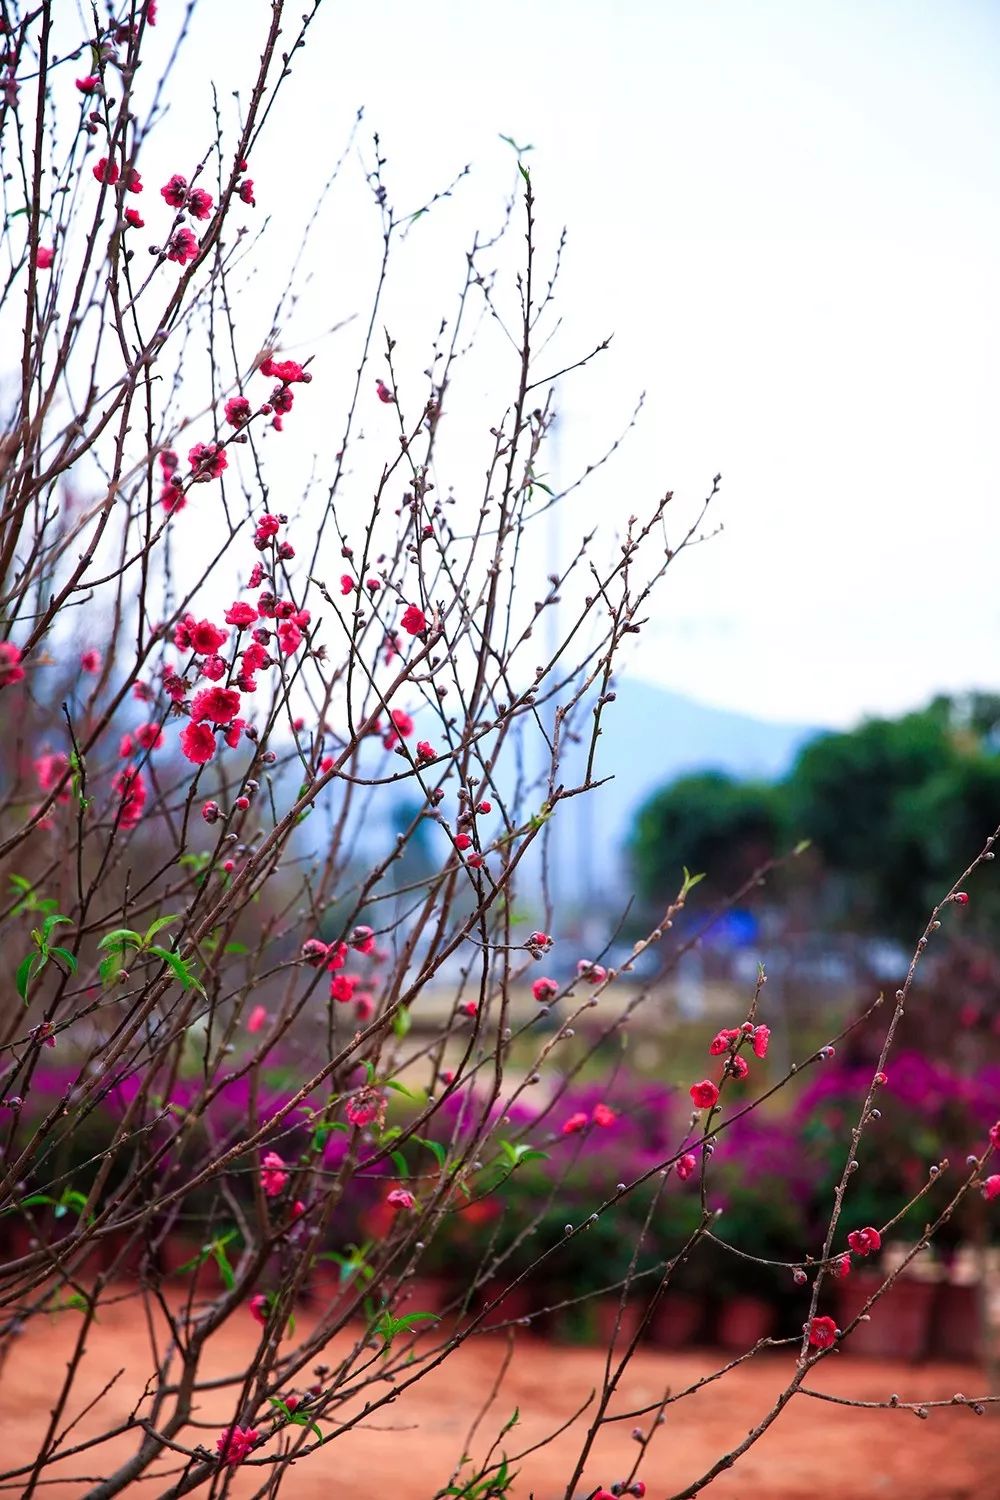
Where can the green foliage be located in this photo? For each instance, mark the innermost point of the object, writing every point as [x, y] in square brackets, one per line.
[42, 954]
[124, 945]
[709, 822]
[892, 808]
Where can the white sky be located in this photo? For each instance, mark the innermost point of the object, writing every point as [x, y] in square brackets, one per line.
[789, 215]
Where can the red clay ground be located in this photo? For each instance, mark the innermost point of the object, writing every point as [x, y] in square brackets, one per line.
[815, 1451]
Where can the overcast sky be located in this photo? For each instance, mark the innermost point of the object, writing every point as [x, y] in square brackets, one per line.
[788, 215]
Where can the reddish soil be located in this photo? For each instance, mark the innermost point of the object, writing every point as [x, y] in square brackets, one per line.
[815, 1450]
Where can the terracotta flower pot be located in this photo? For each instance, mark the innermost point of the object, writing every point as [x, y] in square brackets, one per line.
[677, 1320]
[741, 1321]
[899, 1323]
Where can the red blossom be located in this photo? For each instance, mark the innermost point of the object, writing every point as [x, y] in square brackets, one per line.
[401, 1198]
[182, 246]
[257, 1307]
[864, 1241]
[843, 1267]
[134, 218]
[90, 84]
[603, 1115]
[238, 411]
[199, 203]
[991, 1187]
[574, 1123]
[544, 990]
[106, 171]
[233, 732]
[204, 637]
[685, 1166]
[342, 987]
[245, 191]
[90, 661]
[207, 461]
[175, 191]
[591, 972]
[198, 743]
[822, 1333]
[133, 181]
[705, 1094]
[739, 1067]
[425, 750]
[240, 614]
[383, 392]
[414, 621]
[761, 1037]
[720, 1042]
[44, 256]
[462, 841]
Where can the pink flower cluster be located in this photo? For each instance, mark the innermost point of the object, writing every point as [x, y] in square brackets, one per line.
[603, 1115]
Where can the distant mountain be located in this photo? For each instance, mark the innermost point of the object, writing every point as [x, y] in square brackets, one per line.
[649, 737]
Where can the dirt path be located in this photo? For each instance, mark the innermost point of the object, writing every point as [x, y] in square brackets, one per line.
[815, 1451]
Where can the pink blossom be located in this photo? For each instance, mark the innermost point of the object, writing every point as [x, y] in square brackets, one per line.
[272, 1174]
[685, 1166]
[574, 1123]
[90, 661]
[11, 670]
[761, 1037]
[603, 1115]
[258, 1307]
[991, 1187]
[131, 788]
[383, 392]
[401, 1198]
[44, 256]
[257, 1019]
[365, 1108]
[235, 1443]
[238, 411]
[207, 461]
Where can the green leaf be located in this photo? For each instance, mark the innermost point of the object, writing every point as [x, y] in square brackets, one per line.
[23, 975]
[67, 958]
[690, 881]
[119, 938]
[434, 1146]
[157, 926]
[400, 1163]
[52, 922]
[401, 1022]
[399, 1088]
[181, 968]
